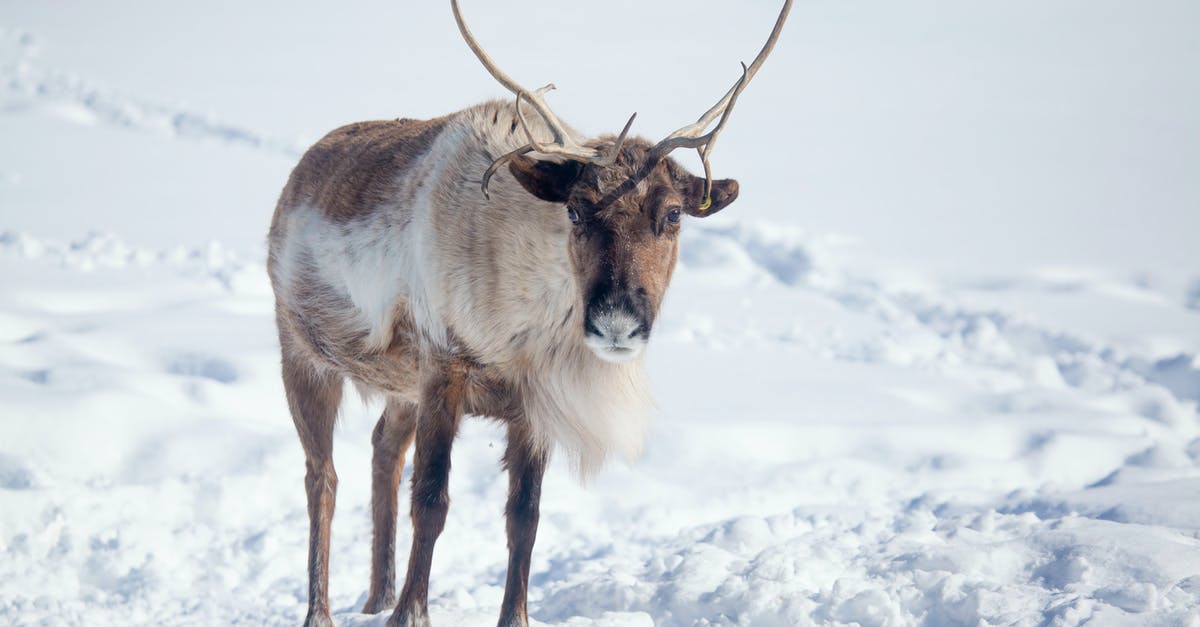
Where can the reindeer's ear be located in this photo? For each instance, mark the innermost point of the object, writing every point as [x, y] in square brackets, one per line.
[724, 192]
[548, 180]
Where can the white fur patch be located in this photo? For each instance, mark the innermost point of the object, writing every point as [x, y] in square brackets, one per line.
[357, 259]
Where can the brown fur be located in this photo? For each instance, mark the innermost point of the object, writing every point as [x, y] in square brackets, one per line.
[351, 170]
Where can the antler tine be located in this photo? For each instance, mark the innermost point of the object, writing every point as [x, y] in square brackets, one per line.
[505, 158]
[693, 135]
[561, 136]
[611, 157]
[712, 137]
[565, 143]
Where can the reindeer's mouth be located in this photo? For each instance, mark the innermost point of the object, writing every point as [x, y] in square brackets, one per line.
[616, 354]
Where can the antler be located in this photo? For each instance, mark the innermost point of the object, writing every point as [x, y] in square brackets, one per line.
[693, 135]
[565, 143]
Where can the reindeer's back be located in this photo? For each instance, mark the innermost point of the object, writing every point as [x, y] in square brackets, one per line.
[355, 168]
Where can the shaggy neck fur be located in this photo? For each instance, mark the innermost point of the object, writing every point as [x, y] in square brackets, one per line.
[589, 408]
[510, 297]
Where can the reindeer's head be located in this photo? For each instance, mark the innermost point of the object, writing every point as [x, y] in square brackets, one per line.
[624, 237]
[624, 199]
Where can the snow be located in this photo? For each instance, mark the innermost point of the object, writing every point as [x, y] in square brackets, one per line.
[925, 371]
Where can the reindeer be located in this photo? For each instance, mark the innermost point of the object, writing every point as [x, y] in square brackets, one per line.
[407, 258]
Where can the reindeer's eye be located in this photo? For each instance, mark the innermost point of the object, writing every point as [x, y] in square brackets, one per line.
[673, 216]
[573, 215]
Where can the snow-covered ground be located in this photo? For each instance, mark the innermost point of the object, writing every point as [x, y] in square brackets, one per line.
[964, 391]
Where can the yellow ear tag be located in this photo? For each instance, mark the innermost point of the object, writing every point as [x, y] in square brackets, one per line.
[705, 205]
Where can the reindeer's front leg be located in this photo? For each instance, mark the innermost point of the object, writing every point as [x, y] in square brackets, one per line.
[525, 469]
[438, 413]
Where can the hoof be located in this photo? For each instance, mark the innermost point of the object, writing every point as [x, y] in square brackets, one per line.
[377, 604]
[408, 618]
[318, 619]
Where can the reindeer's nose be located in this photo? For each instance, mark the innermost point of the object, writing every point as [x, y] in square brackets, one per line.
[615, 334]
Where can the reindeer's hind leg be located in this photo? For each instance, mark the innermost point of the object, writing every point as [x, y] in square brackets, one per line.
[313, 398]
[391, 438]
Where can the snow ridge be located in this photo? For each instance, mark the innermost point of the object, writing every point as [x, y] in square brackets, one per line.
[24, 84]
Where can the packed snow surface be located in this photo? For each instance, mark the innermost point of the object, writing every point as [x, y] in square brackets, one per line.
[842, 437]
